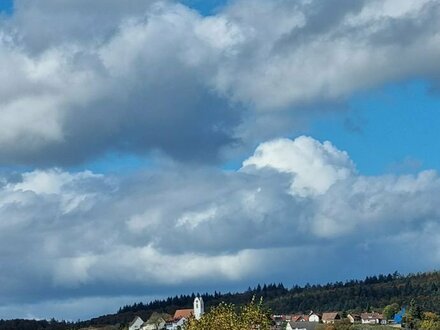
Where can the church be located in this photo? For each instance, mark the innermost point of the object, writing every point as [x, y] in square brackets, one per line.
[182, 315]
[174, 323]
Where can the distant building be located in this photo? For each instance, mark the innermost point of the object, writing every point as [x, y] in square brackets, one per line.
[182, 315]
[314, 317]
[136, 324]
[278, 320]
[354, 318]
[299, 318]
[330, 317]
[372, 318]
[157, 321]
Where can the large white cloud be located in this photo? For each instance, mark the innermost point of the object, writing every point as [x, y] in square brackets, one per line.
[137, 89]
[308, 50]
[92, 77]
[315, 166]
[79, 234]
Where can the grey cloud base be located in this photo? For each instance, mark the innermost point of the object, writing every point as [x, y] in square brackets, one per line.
[70, 236]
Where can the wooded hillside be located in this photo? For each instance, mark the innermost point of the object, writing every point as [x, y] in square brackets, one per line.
[372, 293]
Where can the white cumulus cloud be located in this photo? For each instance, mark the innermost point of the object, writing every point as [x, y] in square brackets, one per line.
[130, 79]
[314, 166]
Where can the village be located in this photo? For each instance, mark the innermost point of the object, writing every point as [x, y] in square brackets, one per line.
[311, 320]
[163, 321]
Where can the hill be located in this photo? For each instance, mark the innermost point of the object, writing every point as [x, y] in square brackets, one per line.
[373, 292]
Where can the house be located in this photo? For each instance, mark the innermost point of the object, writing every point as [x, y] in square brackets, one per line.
[157, 321]
[278, 320]
[178, 324]
[354, 318]
[299, 318]
[136, 324]
[180, 317]
[372, 318]
[169, 325]
[330, 317]
[314, 317]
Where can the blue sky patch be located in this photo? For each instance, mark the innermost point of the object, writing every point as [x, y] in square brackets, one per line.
[6, 6]
[205, 7]
[394, 128]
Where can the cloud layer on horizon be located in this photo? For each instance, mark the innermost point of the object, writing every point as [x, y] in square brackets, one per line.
[94, 77]
[82, 235]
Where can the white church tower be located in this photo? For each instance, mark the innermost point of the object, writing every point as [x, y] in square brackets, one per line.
[199, 308]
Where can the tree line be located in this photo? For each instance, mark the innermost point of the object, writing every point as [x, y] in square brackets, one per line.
[372, 293]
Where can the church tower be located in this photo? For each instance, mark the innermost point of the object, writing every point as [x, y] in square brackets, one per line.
[199, 308]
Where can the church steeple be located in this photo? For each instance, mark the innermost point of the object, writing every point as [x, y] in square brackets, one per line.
[199, 307]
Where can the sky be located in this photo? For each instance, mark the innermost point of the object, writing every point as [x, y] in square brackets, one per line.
[153, 147]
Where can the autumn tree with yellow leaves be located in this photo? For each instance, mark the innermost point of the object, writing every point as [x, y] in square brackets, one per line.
[252, 316]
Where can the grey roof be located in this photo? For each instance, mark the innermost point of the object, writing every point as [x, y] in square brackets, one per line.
[371, 316]
[304, 325]
[157, 316]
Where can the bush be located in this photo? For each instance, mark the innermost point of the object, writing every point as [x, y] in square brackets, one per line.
[252, 316]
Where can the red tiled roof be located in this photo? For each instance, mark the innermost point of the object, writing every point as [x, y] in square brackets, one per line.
[329, 316]
[180, 313]
[296, 318]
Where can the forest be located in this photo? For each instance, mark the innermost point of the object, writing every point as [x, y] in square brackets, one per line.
[371, 293]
